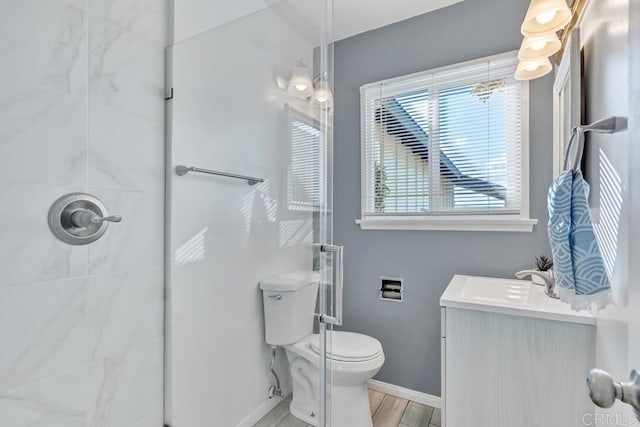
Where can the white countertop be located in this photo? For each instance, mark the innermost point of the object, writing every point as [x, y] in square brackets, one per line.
[509, 296]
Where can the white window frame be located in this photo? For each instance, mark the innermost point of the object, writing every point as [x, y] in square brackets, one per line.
[451, 222]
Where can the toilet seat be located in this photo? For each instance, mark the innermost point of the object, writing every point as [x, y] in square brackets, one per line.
[349, 347]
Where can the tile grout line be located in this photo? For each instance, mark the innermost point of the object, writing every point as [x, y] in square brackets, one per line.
[89, 275]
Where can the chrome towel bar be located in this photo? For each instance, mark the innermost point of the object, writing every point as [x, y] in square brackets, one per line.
[183, 170]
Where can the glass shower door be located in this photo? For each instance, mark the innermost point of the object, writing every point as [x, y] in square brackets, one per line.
[330, 255]
[249, 190]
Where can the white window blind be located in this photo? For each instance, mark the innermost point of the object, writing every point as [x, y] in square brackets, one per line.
[303, 183]
[444, 142]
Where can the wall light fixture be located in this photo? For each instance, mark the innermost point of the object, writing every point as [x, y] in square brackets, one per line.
[545, 17]
[300, 84]
[546, 29]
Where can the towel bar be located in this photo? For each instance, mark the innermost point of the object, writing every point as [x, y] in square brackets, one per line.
[183, 170]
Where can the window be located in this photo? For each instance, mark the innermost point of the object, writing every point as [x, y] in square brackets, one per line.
[303, 182]
[447, 149]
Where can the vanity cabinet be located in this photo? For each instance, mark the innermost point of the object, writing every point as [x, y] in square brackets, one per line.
[511, 356]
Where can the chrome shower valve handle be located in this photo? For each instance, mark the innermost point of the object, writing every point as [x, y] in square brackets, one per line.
[84, 218]
[110, 218]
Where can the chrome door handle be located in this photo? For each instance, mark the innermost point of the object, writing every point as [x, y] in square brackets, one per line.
[339, 287]
[604, 391]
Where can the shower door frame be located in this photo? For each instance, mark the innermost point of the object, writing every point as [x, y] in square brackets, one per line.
[330, 314]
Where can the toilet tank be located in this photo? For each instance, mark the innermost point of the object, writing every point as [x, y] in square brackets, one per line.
[289, 305]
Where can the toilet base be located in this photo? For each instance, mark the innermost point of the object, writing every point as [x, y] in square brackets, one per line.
[348, 406]
[348, 395]
[303, 414]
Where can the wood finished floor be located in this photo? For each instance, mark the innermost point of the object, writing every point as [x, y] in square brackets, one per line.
[386, 411]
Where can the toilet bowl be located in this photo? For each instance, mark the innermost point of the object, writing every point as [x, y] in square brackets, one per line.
[352, 359]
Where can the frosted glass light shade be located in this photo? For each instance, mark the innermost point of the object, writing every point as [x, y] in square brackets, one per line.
[322, 96]
[533, 48]
[529, 70]
[545, 17]
[300, 84]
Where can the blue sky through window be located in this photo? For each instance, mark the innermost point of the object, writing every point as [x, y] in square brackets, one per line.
[472, 134]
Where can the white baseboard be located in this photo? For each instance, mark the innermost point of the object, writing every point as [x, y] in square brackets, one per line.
[260, 412]
[405, 393]
[386, 388]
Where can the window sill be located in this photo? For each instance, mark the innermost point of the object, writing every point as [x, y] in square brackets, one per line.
[448, 223]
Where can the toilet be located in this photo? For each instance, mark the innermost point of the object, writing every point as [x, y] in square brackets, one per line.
[353, 359]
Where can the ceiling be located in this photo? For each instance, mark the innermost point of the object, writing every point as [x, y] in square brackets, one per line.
[351, 17]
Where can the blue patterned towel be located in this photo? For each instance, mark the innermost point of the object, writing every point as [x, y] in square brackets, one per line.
[578, 266]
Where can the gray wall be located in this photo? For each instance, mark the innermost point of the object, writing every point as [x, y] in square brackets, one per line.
[410, 331]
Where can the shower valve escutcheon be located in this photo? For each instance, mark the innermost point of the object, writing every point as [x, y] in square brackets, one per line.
[79, 218]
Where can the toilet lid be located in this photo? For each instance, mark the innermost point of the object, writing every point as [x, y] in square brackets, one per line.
[349, 347]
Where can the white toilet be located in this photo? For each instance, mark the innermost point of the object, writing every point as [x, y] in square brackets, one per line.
[289, 306]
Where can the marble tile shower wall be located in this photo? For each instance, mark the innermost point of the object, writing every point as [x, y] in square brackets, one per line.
[81, 328]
